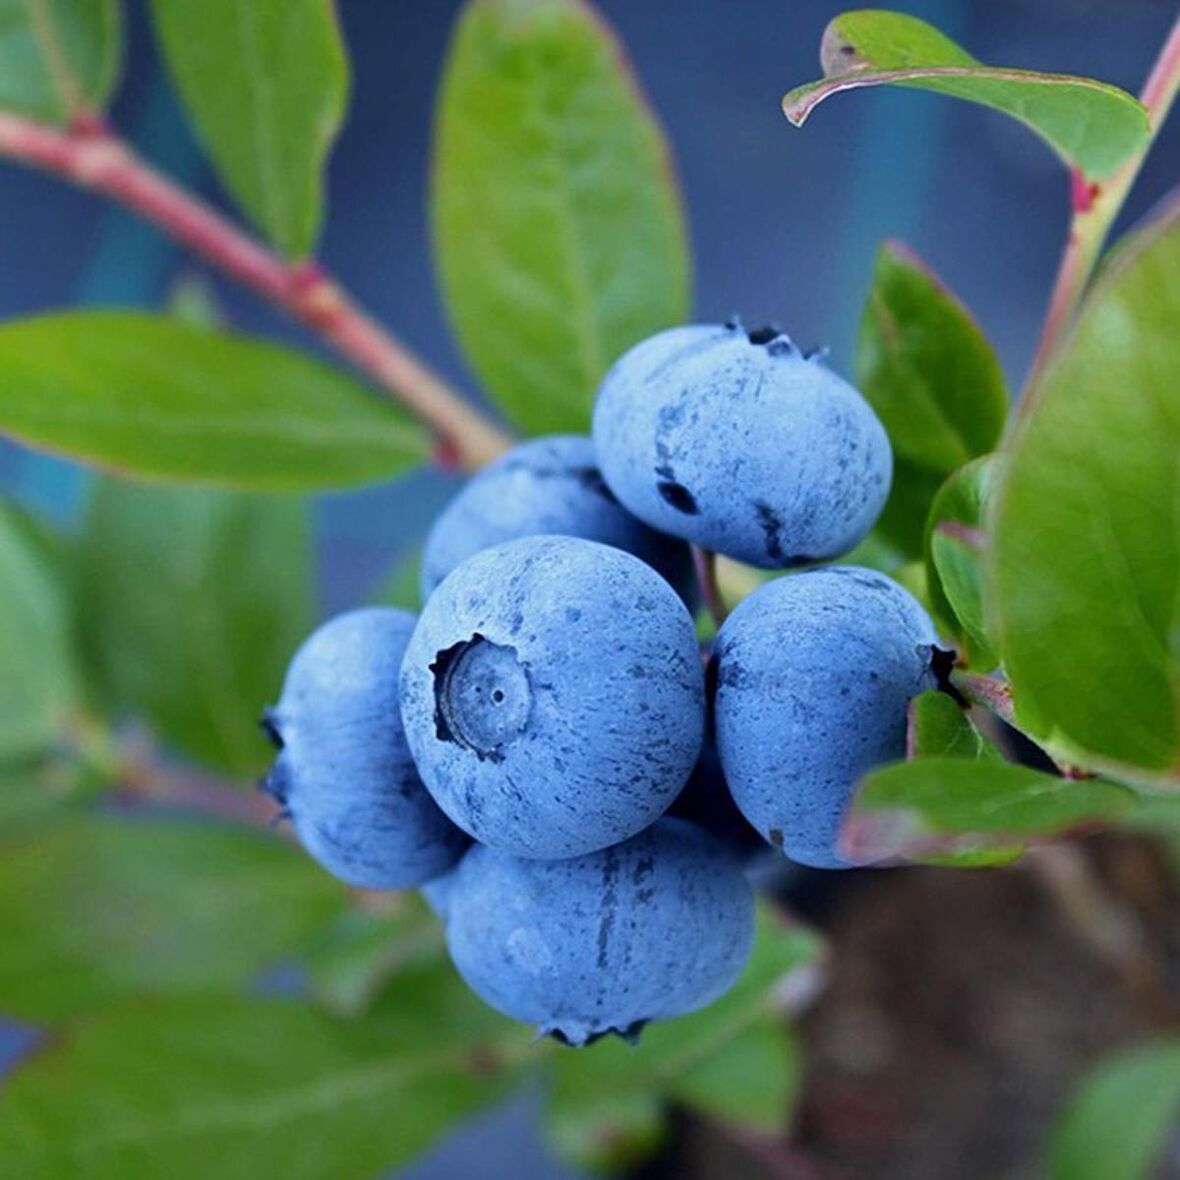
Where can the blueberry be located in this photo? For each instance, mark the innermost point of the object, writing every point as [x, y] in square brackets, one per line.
[344, 774]
[547, 485]
[814, 673]
[740, 443]
[553, 696]
[653, 928]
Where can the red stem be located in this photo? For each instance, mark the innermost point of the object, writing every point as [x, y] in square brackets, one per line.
[1094, 209]
[89, 156]
[704, 562]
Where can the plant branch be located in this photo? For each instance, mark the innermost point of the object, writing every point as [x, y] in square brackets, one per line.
[1094, 209]
[90, 156]
[704, 562]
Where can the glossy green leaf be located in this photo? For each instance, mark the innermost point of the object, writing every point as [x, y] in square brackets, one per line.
[38, 674]
[934, 380]
[939, 805]
[1091, 125]
[558, 229]
[266, 85]
[603, 1098]
[1121, 1118]
[58, 58]
[194, 602]
[1085, 554]
[363, 948]
[232, 1087]
[955, 548]
[96, 908]
[153, 397]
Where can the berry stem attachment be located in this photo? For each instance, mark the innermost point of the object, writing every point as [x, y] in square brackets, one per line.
[90, 156]
[704, 561]
[1095, 206]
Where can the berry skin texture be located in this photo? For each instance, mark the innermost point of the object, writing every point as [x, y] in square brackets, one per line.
[649, 929]
[553, 696]
[814, 673]
[344, 774]
[547, 485]
[741, 444]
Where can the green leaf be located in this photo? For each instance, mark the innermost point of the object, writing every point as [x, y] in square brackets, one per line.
[33, 792]
[934, 380]
[233, 1087]
[58, 58]
[955, 548]
[936, 806]
[96, 908]
[266, 85]
[1085, 554]
[38, 676]
[559, 234]
[156, 398]
[194, 602]
[1119, 1121]
[1091, 125]
[604, 1098]
[362, 949]
[939, 728]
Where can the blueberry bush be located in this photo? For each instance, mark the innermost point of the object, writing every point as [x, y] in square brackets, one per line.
[531, 778]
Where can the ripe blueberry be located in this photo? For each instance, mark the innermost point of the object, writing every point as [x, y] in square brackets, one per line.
[814, 673]
[553, 696]
[649, 929]
[740, 443]
[344, 774]
[547, 485]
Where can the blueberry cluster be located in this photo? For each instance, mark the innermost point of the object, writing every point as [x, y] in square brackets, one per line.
[544, 751]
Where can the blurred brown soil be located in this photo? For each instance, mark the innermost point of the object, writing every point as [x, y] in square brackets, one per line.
[961, 1008]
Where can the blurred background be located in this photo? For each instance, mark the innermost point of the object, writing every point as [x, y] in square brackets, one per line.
[784, 225]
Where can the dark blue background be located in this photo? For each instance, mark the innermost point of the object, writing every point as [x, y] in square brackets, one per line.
[784, 225]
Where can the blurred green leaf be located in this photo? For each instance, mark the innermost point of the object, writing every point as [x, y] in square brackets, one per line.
[604, 1097]
[96, 907]
[559, 234]
[1085, 537]
[154, 397]
[231, 1087]
[933, 379]
[402, 584]
[1089, 124]
[194, 601]
[266, 85]
[363, 948]
[1118, 1122]
[58, 58]
[936, 806]
[38, 676]
[955, 547]
[32, 792]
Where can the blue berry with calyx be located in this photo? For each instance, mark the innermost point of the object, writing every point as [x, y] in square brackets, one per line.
[553, 696]
[344, 775]
[740, 443]
[547, 486]
[649, 929]
[814, 674]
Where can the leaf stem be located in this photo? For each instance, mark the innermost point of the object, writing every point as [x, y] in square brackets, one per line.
[1094, 209]
[90, 156]
[704, 562]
